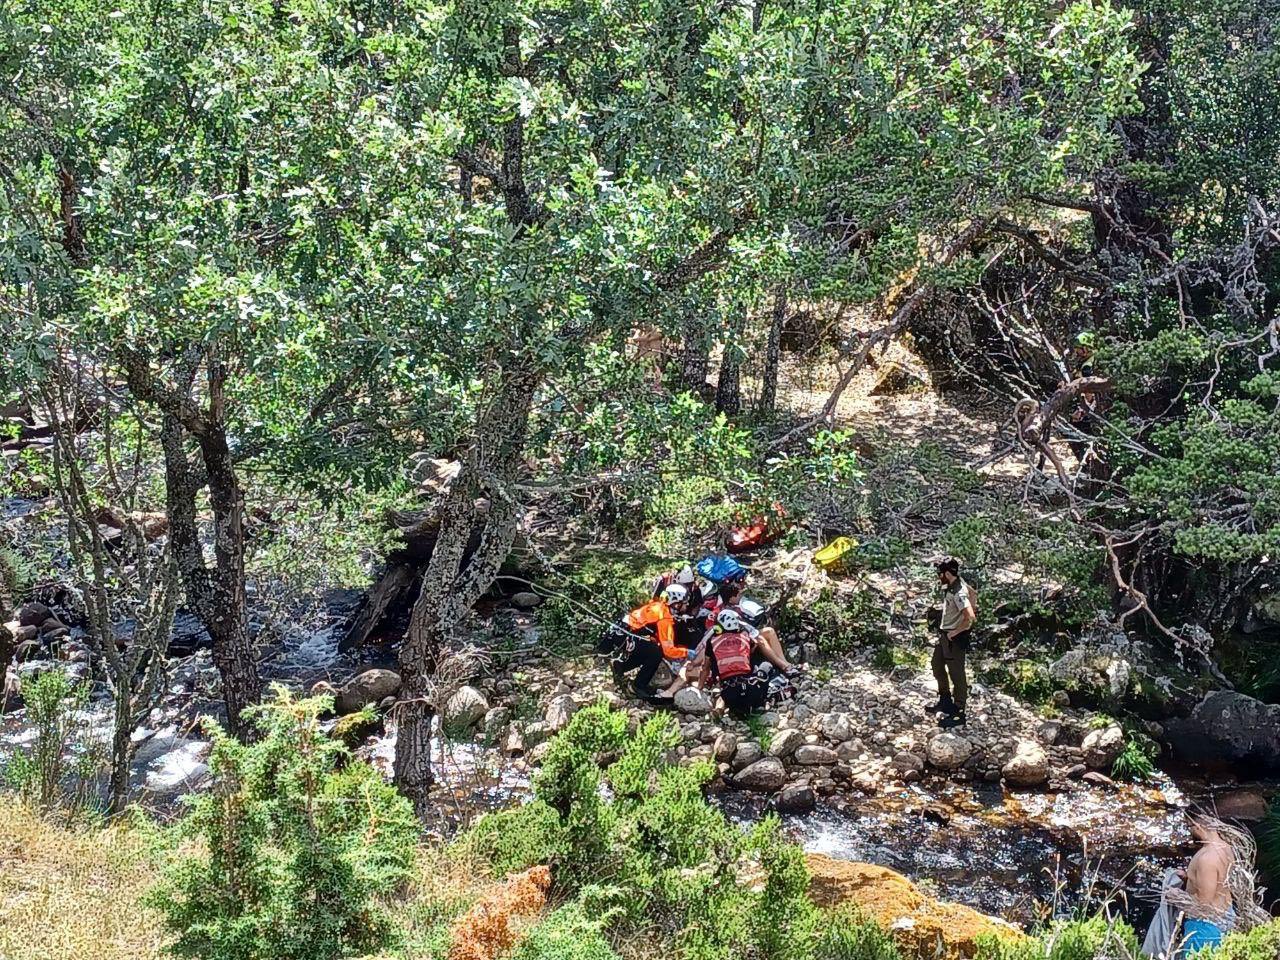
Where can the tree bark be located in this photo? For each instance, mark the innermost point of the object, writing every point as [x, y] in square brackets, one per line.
[729, 385]
[453, 582]
[773, 349]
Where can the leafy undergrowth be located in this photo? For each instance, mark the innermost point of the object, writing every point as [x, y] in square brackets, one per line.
[646, 867]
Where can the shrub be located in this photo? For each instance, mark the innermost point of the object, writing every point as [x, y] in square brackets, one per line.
[1095, 938]
[847, 934]
[1136, 761]
[57, 769]
[838, 623]
[298, 851]
[603, 589]
[515, 839]
[1268, 835]
[1260, 943]
[566, 934]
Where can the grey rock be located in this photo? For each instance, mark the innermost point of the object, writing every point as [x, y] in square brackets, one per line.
[1101, 747]
[838, 727]
[1028, 767]
[949, 751]
[764, 776]
[1226, 725]
[693, 701]
[795, 798]
[726, 745]
[526, 600]
[559, 712]
[748, 752]
[785, 743]
[812, 755]
[464, 710]
[366, 688]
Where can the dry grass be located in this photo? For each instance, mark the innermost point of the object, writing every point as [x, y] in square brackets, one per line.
[72, 894]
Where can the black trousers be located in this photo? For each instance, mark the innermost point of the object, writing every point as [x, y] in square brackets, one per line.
[744, 694]
[948, 669]
[638, 653]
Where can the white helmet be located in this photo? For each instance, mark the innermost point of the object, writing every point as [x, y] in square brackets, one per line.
[675, 593]
[728, 620]
[684, 576]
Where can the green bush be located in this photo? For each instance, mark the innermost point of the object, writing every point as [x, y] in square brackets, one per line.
[566, 934]
[57, 769]
[838, 623]
[298, 851]
[1268, 836]
[515, 839]
[847, 934]
[602, 591]
[1096, 938]
[1028, 680]
[1136, 761]
[1260, 943]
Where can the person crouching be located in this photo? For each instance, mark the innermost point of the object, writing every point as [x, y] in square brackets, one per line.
[646, 635]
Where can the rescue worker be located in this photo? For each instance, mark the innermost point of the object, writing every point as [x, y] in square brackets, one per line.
[768, 645]
[646, 635]
[725, 655]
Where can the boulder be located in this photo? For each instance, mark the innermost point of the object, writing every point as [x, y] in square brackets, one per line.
[795, 798]
[1249, 805]
[693, 701]
[921, 926]
[748, 752]
[838, 727]
[1028, 767]
[1226, 725]
[526, 600]
[463, 710]
[559, 712]
[1099, 673]
[764, 776]
[1049, 732]
[949, 751]
[851, 750]
[815, 755]
[366, 688]
[513, 745]
[785, 742]
[495, 722]
[1101, 747]
[725, 746]
[906, 762]
[34, 614]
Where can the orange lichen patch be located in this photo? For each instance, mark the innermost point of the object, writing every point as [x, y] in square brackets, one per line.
[923, 927]
[496, 922]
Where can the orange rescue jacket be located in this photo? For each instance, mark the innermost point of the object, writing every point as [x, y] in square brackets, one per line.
[655, 619]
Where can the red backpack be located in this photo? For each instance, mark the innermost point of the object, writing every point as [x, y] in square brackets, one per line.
[733, 654]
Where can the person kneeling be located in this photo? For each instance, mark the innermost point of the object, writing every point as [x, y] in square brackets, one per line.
[725, 654]
[645, 636]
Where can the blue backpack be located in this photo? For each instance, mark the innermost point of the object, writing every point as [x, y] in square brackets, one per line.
[720, 569]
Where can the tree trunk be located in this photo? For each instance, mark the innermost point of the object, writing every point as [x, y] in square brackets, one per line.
[121, 753]
[773, 349]
[453, 582]
[729, 386]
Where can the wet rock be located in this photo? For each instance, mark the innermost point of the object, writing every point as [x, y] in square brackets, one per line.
[785, 742]
[366, 688]
[1101, 747]
[796, 798]
[526, 600]
[726, 745]
[559, 712]
[949, 751]
[764, 776]
[748, 752]
[693, 701]
[464, 710]
[838, 727]
[1028, 767]
[936, 813]
[1248, 805]
[1226, 725]
[1094, 778]
[814, 755]
[355, 728]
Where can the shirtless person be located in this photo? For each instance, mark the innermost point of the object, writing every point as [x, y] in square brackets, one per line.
[1206, 883]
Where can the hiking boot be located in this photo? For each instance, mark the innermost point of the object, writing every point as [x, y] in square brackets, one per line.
[943, 706]
[952, 720]
[619, 678]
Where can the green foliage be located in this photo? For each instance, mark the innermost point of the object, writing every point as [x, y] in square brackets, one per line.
[602, 589]
[567, 933]
[1136, 761]
[839, 621]
[1268, 837]
[1028, 680]
[758, 731]
[56, 770]
[1094, 938]
[846, 934]
[1260, 943]
[300, 846]
[515, 839]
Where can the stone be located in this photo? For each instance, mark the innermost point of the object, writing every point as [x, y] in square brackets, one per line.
[1077, 771]
[949, 751]
[33, 614]
[536, 732]
[851, 750]
[1226, 725]
[936, 813]
[895, 378]
[354, 729]
[513, 745]
[813, 755]
[763, 776]
[366, 688]
[1048, 732]
[693, 701]
[495, 722]
[1096, 672]
[906, 762]
[748, 752]
[1101, 747]
[785, 742]
[559, 712]
[1060, 699]
[1248, 805]
[526, 600]
[838, 727]
[539, 753]
[1097, 779]
[463, 710]
[795, 798]
[1028, 767]
[726, 745]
